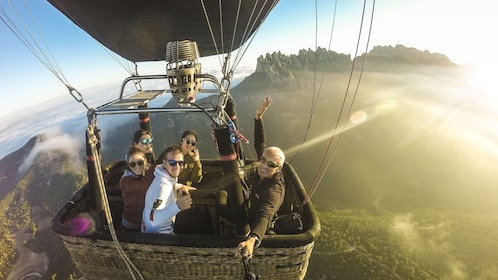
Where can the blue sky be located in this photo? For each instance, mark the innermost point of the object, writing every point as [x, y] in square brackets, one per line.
[455, 28]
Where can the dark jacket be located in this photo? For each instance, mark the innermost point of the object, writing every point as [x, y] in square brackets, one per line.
[133, 189]
[267, 195]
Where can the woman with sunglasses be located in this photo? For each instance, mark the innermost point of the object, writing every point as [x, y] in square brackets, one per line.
[191, 173]
[166, 197]
[192, 167]
[134, 184]
[267, 190]
[143, 139]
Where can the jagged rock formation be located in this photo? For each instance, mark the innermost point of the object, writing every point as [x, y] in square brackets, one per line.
[400, 54]
[377, 171]
[279, 67]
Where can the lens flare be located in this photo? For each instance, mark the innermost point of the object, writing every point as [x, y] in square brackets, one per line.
[82, 224]
[358, 117]
[386, 106]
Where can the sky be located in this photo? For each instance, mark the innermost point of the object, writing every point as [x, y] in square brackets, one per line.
[458, 29]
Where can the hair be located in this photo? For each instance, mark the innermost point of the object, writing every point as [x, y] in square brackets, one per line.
[176, 149]
[278, 153]
[134, 151]
[189, 132]
[138, 134]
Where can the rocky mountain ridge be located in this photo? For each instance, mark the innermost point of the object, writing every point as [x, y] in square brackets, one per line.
[391, 163]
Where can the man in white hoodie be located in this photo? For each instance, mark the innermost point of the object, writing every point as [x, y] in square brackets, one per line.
[165, 197]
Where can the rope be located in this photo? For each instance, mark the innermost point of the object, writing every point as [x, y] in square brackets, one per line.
[323, 167]
[107, 211]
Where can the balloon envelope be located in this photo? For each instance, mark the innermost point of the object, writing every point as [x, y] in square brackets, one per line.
[139, 30]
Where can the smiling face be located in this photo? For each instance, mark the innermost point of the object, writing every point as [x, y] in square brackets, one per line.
[136, 163]
[173, 163]
[270, 163]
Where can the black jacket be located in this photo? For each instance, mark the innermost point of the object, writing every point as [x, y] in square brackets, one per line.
[266, 196]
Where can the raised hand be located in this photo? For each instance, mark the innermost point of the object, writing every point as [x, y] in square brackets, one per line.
[262, 108]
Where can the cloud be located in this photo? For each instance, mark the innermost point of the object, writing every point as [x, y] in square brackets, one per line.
[58, 141]
[17, 133]
[429, 240]
[64, 114]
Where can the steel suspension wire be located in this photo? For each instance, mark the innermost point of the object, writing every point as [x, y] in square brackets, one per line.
[128, 66]
[208, 22]
[229, 65]
[40, 50]
[42, 53]
[314, 100]
[324, 166]
[243, 51]
[227, 62]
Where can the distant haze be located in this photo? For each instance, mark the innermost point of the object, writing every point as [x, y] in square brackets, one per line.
[401, 164]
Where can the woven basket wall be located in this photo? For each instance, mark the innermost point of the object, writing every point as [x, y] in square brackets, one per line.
[99, 259]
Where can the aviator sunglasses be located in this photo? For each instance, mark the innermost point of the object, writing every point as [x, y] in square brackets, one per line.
[147, 141]
[188, 142]
[270, 163]
[173, 162]
[140, 163]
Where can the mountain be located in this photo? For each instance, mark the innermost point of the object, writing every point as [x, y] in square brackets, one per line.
[26, 211]
[410, 191]
[9, 165]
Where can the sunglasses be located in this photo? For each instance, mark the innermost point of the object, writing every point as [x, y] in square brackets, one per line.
[147, 141]
[140, 163]
[270, 163]
[173, 162]
[188, 142]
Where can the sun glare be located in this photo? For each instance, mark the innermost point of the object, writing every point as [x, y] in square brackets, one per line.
[483, 78]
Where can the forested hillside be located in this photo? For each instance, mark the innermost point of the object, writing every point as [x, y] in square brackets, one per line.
[45, 186]
[409, 193]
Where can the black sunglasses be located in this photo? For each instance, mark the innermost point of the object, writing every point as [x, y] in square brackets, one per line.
[270, 163]
[188, 142]
[147, 141]
[140, 163]
[173, 162]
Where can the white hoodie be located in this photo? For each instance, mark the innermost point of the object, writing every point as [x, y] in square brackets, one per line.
[162, 190]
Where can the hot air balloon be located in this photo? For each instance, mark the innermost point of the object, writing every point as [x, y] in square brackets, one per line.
[179, 33]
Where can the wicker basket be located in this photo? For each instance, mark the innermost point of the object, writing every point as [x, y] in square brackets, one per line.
[99, 259]
[188, 255]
